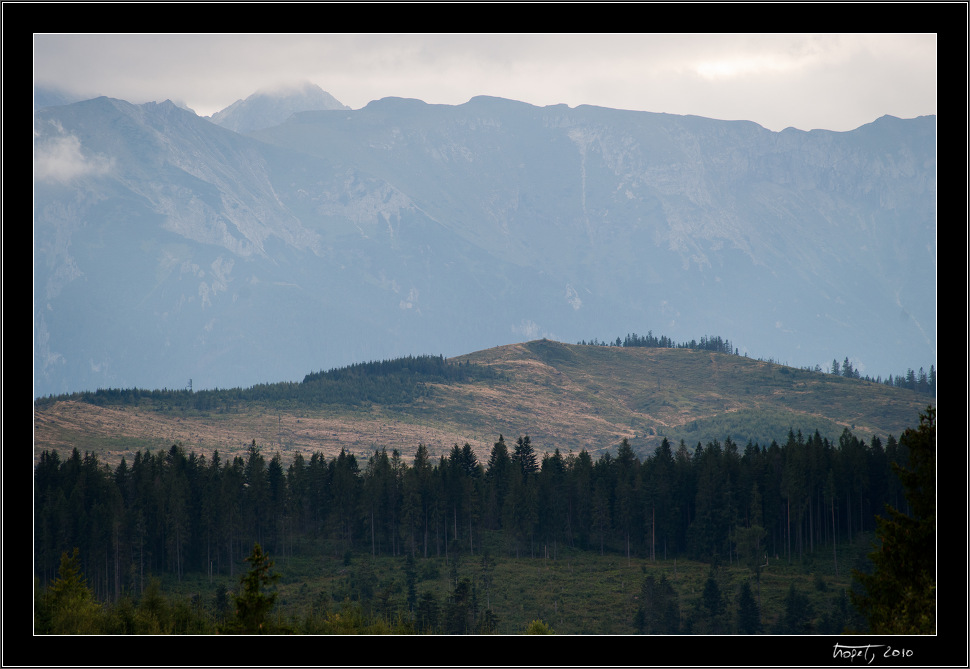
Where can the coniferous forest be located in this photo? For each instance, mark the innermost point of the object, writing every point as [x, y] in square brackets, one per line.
[105, 539]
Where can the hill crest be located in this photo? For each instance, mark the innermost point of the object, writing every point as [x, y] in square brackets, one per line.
[371, 233]
[564, 396]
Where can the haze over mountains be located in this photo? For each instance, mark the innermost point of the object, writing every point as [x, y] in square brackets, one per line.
[169, 246]
[269, 107]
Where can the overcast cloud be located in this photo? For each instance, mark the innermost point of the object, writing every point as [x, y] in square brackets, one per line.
[832, 81]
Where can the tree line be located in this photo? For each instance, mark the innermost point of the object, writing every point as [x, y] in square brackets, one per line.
[403, 380]
[706, 343]
[175, 511]
[918, 381]
[388, 382]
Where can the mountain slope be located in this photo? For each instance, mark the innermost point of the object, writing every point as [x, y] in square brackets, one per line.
[269, 107]
[563, 396]
[168, 248]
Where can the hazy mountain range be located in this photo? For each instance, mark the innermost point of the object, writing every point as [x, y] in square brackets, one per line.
[169, 246]
[269, 107]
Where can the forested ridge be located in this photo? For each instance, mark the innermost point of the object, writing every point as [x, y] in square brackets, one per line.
[113, 533]
[402, 380]
[174, 512]
[921, 381]
[389, 382]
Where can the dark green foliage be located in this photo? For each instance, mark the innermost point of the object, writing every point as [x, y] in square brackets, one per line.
[172, 512]
[749, 617]
[921, 382]
[798, 614]
[403, 380]
[459, 612]
[712, 606]
[838, 617]
[524, 456]
[411, 581]
[388, 382]
[658, 611]
[175, 513]
[68, 606]
[715, 343]
[488, 623]
[427, 614]
[222, 603]
[154, 613]
[255, 601]
[900, 594]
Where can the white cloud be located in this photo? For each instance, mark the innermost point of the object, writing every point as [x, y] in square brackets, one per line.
[59, 158]
[834, 81]
[572, 297]
[411, 300]
[528, 329]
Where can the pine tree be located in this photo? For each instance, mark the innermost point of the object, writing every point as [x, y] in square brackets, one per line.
[749, 619]
[488, 623]
[254, 602]
[798, 615]
[659, 609]
[459, 612]
[525, 456]
[427, 614]
[900, 595]
[712, 603]
[68, 606]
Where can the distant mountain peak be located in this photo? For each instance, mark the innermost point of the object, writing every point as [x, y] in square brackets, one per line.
[288, 88]
[274, 104]
[53, 96]
[168, 247]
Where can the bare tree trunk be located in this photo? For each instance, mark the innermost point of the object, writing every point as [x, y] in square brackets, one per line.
[835, 555]
[788, 522]
[811, 528]
[117, 564]
[848, 513]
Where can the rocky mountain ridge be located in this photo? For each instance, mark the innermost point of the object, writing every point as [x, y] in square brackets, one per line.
[272, 106]
[170, 248]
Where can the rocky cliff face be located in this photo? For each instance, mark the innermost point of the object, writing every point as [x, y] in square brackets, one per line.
[168, 247]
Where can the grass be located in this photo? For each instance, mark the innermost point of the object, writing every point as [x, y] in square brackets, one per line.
[563, 396]
[574, 592]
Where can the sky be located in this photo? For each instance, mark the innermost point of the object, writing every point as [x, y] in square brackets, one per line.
[807, 81]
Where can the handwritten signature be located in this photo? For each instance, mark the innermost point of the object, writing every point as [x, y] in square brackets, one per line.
[869, 652]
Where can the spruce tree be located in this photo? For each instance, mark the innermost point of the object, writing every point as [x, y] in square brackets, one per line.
[798, 616]
[525, 456]
[749, 619]
[659, 609]
[254, 602]
[68, 606]
[427, 614]
[900, 594]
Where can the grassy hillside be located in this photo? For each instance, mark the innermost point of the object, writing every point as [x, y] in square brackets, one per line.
[564, 396]
[574, 592]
